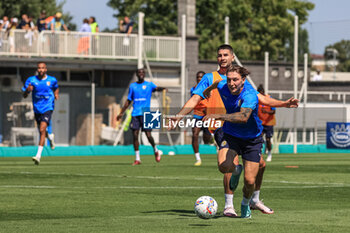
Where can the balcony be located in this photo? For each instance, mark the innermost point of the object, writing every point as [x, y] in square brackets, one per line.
[88, 45]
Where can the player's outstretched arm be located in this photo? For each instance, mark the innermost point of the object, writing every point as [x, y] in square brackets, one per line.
[213, 86]
[237, 117]
[28, 90]
[126, 105]
[186, 109]
[160, 89]
[56, 93]
[266, 100]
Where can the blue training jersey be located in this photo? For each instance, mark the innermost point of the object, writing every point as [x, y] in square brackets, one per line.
[207, 80]
[140, 94]
[233, 103]
[43, 93]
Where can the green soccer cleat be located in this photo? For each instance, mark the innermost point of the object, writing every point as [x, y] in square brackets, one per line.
[235, 177]
[245, 211]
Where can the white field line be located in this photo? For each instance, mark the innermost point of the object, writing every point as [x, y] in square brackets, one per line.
[162, 187]
[312, 184]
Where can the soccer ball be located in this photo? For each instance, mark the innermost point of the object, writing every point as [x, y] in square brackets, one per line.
[205, 207]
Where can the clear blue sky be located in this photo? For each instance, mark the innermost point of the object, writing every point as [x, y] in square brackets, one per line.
[329, 21]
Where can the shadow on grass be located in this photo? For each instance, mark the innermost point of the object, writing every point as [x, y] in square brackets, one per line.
[182, 213]
[33, 216]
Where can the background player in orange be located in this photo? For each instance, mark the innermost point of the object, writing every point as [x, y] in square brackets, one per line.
[198, 113]
[267, 116]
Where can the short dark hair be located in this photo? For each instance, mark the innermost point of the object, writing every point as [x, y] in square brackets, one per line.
[225, 46]
[40, 62]
[200, 72]
[93, 18]
[239, 69]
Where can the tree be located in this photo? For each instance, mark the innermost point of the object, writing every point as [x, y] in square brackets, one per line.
[343, 56]
[161, 15]
[256, 26]
[33, 8]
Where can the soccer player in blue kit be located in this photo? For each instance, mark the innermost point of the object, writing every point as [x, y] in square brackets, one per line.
[45, 91]
[140, 94]
[242, 129]
[225, 57]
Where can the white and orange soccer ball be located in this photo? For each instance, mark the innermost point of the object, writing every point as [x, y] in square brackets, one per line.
[205, 207]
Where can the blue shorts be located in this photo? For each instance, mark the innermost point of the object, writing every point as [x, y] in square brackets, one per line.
[268, 131]
[137, 123]
[205, 129]
[250, 149]
[219, 136]
[45, 117]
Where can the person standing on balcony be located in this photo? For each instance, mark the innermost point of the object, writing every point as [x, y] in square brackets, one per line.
[57, 24]
[126, 26]
[45, 91]
[41, 23]
[83, 45]
[94, 28]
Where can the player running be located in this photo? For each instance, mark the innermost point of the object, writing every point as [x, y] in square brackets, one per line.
[267, 116]
[198, 113]
[45, 91]
[242, 130]
[140, 94]
[225, 57]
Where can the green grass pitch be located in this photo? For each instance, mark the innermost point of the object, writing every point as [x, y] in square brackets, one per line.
[107, 194]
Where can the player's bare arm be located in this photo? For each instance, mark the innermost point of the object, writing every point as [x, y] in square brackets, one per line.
[160, 89]
[28, 90]
[56, 93]
[186, 109]
[237, 117]
[126, 105]
[266, 100]
[213, 86]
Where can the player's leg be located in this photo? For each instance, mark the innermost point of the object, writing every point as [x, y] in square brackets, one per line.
[42, 122]
[135, 127]
[157, 153]
[207, 138]
[195, 145]
[136, 143]
[229, 210]
[250, 172]
[251, 155]
[268, 143]
[255, 203]
[50, 136]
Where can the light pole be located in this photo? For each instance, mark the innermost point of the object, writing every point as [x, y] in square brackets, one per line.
[335, 52]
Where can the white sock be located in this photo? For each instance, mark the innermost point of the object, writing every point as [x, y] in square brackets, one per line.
[269, 153]
[155, 149]
[245, 201]
[137, 154]
[228, 200]
[50, 136]
[255, 197]
[198, 156]
[40, 150]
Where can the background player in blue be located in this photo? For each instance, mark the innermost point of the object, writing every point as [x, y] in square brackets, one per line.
[140, 94]
[242, 130]
[45, 91]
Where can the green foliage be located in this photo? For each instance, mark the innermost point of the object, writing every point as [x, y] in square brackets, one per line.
[256, 26]
[33, 8]
[343, 56]
[161, 15]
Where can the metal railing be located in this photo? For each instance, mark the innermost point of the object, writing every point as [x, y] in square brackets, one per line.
[87, 45]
